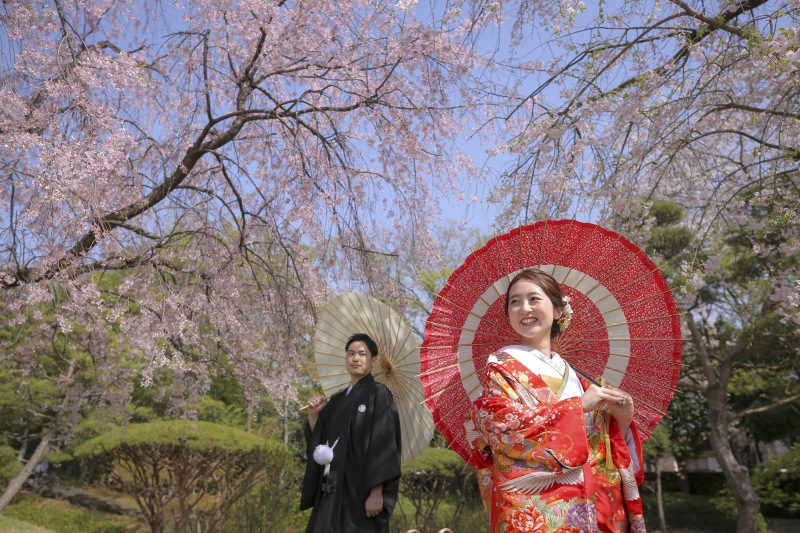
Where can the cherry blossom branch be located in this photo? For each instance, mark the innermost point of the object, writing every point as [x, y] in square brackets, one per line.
[719, 22]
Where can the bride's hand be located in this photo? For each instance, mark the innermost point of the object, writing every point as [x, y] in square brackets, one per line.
[602, 397]
[622, 410]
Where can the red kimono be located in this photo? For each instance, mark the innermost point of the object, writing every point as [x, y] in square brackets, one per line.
[543, 465]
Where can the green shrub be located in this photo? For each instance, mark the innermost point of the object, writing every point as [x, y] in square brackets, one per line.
[691, 511]
[459, 518]
[193, 434]
[437, 490]
[57, 517]
[185, 474]
[778, 485]
[273, 505]
[726, 505]
[706, 483]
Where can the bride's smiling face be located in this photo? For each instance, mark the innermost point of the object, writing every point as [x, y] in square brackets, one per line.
[531, 314]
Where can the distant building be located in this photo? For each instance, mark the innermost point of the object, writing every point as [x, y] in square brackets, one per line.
[704, 462]
[707, 462]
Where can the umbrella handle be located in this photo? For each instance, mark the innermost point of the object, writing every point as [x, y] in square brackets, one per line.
[303, 408]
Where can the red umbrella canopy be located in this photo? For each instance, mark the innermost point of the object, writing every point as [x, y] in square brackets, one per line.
[625, 327]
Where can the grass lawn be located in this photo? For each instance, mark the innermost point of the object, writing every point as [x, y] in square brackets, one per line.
[44, 515]
[10, 525]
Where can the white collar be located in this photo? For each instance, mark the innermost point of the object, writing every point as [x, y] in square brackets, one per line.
[523, 354]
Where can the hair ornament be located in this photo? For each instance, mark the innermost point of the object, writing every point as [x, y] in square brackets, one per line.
[566, 314]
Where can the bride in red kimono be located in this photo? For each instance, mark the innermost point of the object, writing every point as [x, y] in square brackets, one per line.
[557, 453]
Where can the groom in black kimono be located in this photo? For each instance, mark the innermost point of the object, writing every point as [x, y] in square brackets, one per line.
[353, 469]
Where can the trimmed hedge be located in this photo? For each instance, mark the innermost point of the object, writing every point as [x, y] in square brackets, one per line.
[190, 433]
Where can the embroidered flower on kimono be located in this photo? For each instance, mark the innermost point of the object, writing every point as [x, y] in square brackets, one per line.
[513, 438]
[636, 524]
[484, 477]
[522, 520]
[484, 416]
[512, 421]
[582, 515]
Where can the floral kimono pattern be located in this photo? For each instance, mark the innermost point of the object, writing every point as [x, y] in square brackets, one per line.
[545, 467]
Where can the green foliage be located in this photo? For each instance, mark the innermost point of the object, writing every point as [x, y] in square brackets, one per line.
[56, 517]
[687, 425]
[274, 504]
[432, 281]
[666, 213]
[211, 410]
[670, 241]
[9, 466]
[726, 506]
[18, 394]
[460, 519]
[752, 388]
[142, 414]
[438, 440]
[668, 238]
[192, 434]
[189, 473]
[58, 456]
[226, 390]
[689, 511]
[441, 488]
[768, 376]
[778, 484]
[446, 462]
[147, 400]
[738, 323]
[658, 444]
[423, 285]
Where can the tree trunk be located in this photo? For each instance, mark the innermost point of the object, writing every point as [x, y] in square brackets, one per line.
[23, 447]
[736, 474]
[683, 479]
[16, 484]
[662, 521]
[286, 422]
[719, 418]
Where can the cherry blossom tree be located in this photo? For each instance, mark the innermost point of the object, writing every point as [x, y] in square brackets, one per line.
[183, 181]
[624, 103]
[231, 160]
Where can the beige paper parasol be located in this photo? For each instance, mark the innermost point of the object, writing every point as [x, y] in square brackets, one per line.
[397, 366]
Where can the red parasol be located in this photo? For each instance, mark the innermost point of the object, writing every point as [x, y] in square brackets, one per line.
[625, 327]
